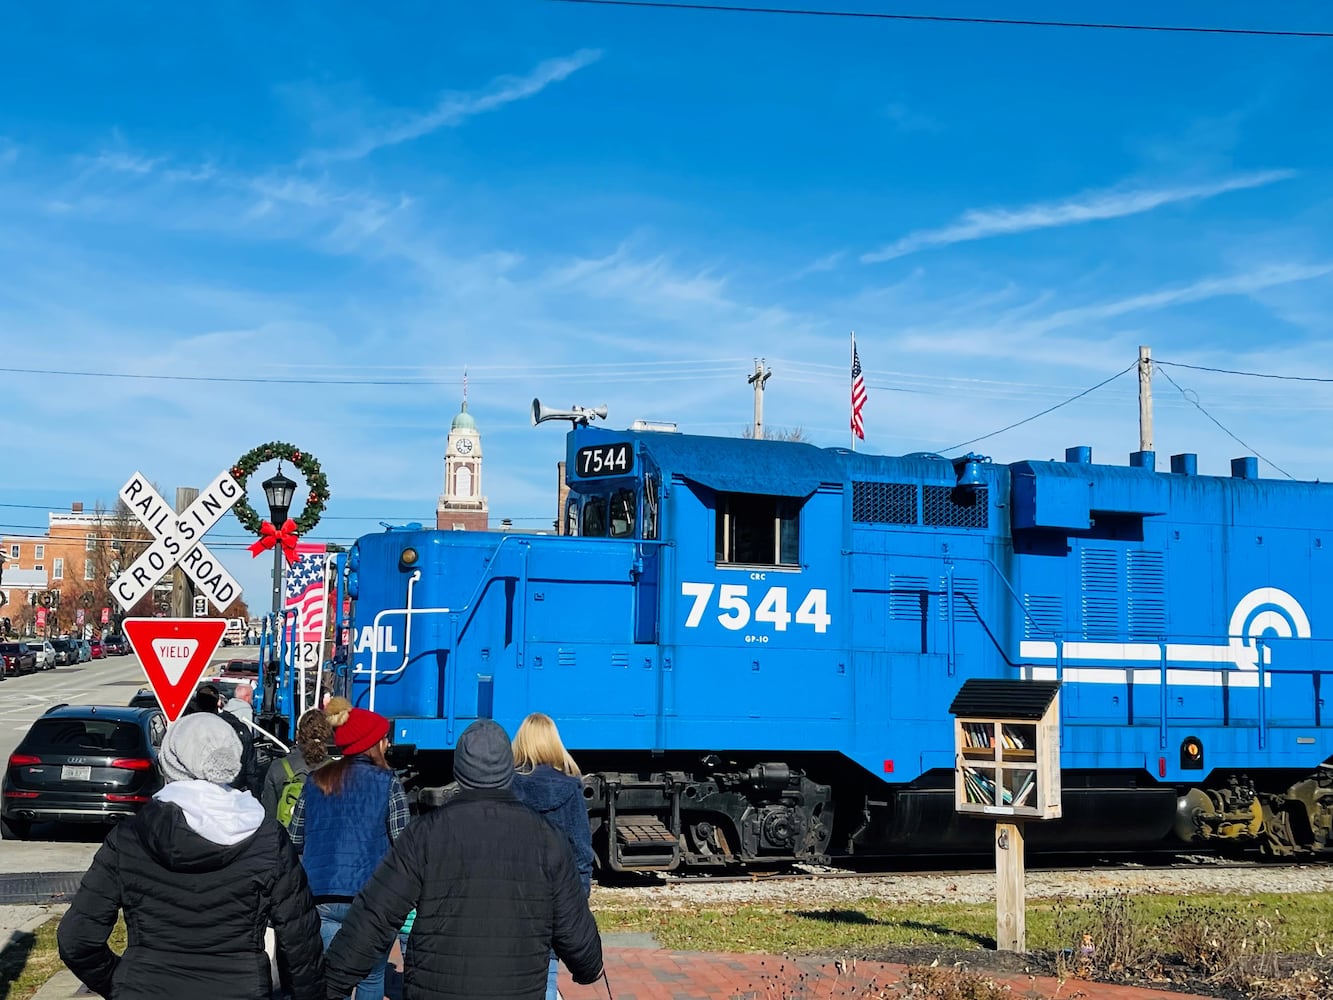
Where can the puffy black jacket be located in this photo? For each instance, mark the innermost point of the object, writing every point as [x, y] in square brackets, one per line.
[558, 799]
[251, 777]
[495, 890]
[196, 913]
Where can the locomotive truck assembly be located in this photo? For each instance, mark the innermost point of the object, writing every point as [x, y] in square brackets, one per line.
[751, 646]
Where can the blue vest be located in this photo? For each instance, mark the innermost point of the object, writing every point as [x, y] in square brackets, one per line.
[346, 835]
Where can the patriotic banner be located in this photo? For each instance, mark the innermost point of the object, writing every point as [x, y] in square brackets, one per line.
[305, 592]
[858, 394]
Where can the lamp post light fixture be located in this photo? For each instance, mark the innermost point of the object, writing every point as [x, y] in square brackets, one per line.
[278, 491]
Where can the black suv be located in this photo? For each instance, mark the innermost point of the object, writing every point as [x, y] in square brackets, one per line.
[82, 764]
[67, 652]
[18, 658]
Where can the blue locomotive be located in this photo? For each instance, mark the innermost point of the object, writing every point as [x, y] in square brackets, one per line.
[751, 646]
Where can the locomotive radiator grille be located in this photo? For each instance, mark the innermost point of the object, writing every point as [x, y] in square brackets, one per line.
[884, 503]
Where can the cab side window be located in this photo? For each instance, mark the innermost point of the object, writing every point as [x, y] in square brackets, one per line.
[755, 530]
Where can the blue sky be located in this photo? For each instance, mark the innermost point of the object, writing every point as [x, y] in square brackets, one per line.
[602, 205]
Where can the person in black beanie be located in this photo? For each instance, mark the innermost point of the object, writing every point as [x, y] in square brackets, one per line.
[495, 890]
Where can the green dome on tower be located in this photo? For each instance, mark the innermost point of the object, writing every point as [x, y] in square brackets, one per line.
[464, 421]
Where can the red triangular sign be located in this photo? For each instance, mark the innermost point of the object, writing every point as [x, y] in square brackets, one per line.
[174, 653]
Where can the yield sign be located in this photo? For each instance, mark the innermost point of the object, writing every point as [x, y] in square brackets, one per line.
[174, 653]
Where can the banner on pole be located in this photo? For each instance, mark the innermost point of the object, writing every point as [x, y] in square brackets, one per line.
[305, 595]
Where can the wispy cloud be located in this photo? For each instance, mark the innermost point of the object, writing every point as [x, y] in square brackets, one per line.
[1247, 283]
[820, 265]
[455, 107]
[1094, 206]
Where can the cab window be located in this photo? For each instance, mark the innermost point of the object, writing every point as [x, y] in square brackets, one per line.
[572, 516]
[594, 518]
[650, 507]
[622, 514]
[754, 530]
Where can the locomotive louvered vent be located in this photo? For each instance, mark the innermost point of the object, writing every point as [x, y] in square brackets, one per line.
[966, 598]
[1101, 594]
[884, 503]
[986, 697]
[1045, 617]
[952, 507]
[1146, 578]
[907, 598]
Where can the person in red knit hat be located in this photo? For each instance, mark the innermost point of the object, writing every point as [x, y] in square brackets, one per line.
[349, 813]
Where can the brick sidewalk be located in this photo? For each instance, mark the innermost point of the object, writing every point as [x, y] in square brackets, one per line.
[654, 974]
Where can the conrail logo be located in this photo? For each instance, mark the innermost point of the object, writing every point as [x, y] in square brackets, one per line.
[1264, 613]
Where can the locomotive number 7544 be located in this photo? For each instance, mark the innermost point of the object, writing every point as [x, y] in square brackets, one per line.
[733, 600]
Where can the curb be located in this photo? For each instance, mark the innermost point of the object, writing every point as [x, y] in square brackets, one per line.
[63, 985]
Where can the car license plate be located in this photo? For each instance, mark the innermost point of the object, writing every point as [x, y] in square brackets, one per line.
[70, 773]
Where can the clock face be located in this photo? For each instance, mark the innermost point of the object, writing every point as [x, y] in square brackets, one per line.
[464, 446]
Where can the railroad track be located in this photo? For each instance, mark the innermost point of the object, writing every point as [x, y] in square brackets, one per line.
[909, 868]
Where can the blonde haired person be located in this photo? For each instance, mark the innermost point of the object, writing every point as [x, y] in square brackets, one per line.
[547, 780]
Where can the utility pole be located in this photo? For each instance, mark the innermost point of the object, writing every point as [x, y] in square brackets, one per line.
[761, 375]
[1145, 399]
[182, 591]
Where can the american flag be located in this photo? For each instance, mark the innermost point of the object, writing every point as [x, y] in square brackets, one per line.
[304, 592]
[858, 395]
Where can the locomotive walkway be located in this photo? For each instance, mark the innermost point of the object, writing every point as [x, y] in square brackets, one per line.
[646, 973]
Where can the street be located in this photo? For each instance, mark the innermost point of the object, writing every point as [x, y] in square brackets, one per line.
[111, 681]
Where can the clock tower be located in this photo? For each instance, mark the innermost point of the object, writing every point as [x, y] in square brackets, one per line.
[462, 506]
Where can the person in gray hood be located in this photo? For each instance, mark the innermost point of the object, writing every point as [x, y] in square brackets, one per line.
[199, 873]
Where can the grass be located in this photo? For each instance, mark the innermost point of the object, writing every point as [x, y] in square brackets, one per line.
[1304, 923]
[33, 958]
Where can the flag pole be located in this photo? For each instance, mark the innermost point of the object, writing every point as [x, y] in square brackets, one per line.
[851, 361]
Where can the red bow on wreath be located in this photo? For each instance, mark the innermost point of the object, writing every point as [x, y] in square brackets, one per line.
[270, 536]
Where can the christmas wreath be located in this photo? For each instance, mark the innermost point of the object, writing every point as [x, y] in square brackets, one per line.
[307, 464]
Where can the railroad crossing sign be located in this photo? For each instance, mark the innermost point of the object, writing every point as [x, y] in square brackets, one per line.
[177, 541]
[174, 653]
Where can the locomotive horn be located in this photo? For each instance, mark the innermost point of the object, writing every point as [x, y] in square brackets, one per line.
[576, 414]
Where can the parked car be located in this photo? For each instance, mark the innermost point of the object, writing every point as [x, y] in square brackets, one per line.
[85, 650]
[82, 764]
[241, 670]
[45, 653]
[96, 650]
[66, 651]
[115, 645]
[19, 658]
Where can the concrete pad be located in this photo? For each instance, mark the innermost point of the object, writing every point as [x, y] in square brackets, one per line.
[16, 921]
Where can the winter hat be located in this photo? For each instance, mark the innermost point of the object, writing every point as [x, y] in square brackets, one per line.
[336, 710]
[484, 758]
[361, 731]
[200, 746]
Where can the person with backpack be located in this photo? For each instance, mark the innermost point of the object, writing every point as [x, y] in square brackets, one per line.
[287, 775]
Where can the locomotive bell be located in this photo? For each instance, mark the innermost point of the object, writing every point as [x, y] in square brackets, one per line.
[968, 471]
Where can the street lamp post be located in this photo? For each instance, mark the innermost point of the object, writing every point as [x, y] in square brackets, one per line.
[278, 492]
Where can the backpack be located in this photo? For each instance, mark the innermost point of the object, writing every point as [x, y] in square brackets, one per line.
[289, 792]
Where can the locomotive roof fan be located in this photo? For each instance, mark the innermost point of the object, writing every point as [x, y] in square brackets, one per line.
[580, 415]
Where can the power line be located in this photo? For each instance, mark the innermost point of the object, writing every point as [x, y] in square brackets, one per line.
[1193, 399]
[1049, 409]
[635, 375]
[946, 19]
[1233, 371]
